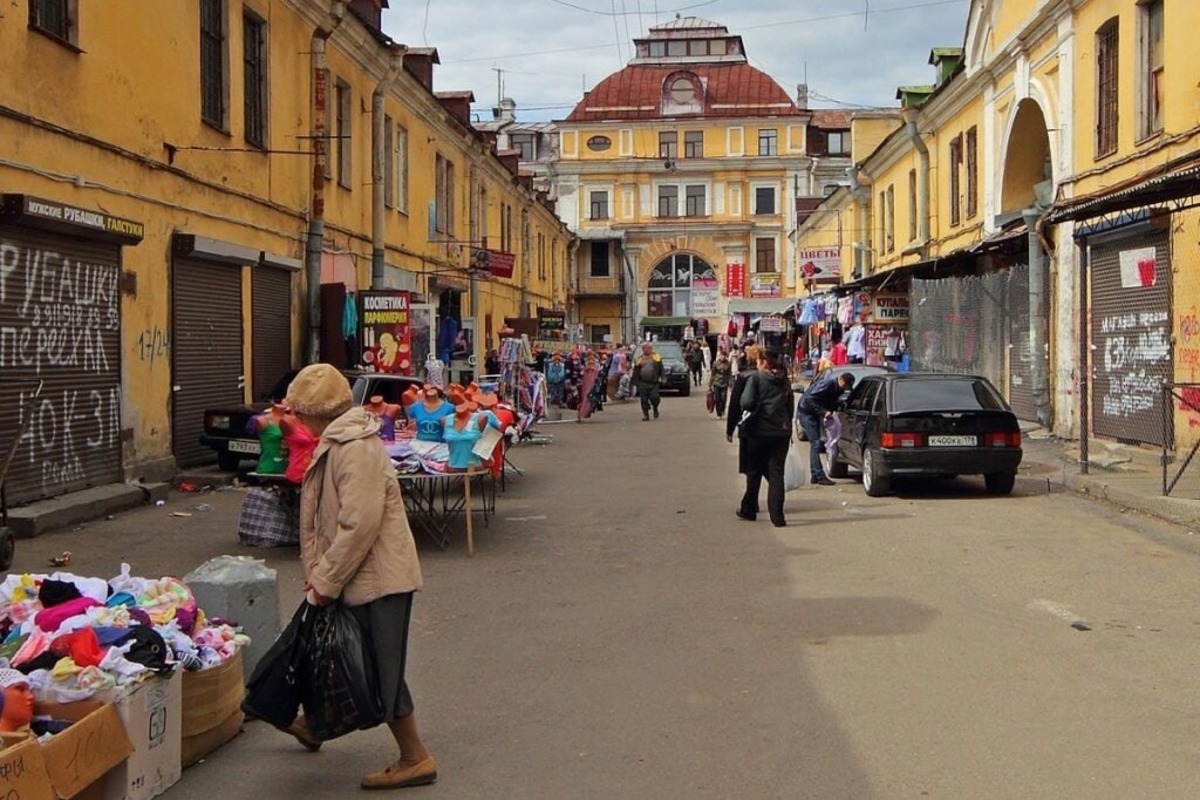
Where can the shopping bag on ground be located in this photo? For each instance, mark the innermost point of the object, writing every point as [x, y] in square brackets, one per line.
[793, 470]
[341, 693]
[710, 401]
[275, 687]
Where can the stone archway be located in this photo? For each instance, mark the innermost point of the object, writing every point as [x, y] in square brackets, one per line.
[671, 282]
[1028, 167]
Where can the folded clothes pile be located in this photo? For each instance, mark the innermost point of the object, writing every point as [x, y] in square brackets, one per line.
[75, 636]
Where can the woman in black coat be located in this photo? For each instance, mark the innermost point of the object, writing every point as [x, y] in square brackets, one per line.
[769, 401]
[734, 413]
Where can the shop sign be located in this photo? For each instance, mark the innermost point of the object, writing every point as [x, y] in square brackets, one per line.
[765, 285]
[735, 280]
[551, 320]
[1139, 268]
[49, 211]
[496, 263]
[889, 307]
[385, 325]
[705, 297]
[820, 264]
[772, 325]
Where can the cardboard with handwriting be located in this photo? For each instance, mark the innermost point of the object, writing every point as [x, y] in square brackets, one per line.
[152, 713]
[72, 764]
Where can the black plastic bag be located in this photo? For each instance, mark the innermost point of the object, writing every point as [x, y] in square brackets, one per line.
[275, 688]
[341, 690]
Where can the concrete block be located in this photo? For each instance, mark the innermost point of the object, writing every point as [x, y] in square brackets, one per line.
[154, 492]
[72, 509]
[242, 590]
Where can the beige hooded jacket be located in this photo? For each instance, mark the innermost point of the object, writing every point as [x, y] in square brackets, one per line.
[355, 542]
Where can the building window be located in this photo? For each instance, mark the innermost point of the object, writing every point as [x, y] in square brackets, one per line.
[389, 162]
[254, 68]
[764, 255]
[599, 266]
[526, 143]
[402, 169]
[693, 144]
[601, 334]
[444, 195]
[506, 227]
[342, 132]
[912, 205]
[599, 203]
[668, 144]
[1154, 63]
[1107, 61]
[768, 142]
[764, 200]
[956, 179]
[658, 49]
[212, 62]
[669, 290]
[891, 218]
[677, 48]
[55, 18]
[668, 201]
[541, 256]
[837, 143]
[883, 237]
[695, 204]
[972, 172]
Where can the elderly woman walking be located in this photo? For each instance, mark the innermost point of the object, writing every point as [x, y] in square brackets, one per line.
[356, 547]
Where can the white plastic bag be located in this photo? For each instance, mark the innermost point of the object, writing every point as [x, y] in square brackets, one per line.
[793, 470]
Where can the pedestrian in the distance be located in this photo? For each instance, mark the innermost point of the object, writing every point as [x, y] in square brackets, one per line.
[719, 376]
[647, 375]
[735, 415]
[769, 404]
[820, 400]
[356, 547]
[695, 361]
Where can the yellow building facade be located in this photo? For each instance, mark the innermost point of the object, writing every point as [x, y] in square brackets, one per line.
[157, 250]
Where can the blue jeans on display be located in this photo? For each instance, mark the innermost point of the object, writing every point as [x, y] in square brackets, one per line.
[813, 429]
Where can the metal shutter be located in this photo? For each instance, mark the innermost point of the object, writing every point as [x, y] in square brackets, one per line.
[1020, 359]
[1131, 338]
[206, 354]
[271, 328]
[60, 322]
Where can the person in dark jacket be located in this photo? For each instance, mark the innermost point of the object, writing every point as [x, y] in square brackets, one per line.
[770, 403]
[647, 376]
[820, 400]
[735, 411]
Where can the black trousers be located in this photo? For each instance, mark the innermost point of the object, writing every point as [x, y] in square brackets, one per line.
[720, 394]
[649, 396]
[765, 458]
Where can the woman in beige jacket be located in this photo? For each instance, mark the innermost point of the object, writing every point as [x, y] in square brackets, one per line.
[356, 546]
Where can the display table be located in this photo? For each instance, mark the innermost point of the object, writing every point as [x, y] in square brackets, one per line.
[433, 500]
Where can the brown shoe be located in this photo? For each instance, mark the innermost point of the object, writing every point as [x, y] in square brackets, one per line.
[398, 776]
[299, 730]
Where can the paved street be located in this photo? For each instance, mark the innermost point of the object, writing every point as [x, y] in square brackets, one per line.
[620, 634]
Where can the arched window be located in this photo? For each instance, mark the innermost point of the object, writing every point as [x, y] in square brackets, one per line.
[669, 290]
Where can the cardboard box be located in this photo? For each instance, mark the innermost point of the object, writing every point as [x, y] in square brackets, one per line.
[152, 713]
[196, 748]
[211, 696]
[71, 765]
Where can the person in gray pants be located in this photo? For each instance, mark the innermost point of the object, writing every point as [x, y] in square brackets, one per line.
[647, 373]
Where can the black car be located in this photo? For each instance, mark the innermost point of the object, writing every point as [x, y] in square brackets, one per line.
[926, 424]
[676, 376]
[227, 429]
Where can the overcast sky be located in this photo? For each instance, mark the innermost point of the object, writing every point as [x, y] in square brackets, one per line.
[850, 52]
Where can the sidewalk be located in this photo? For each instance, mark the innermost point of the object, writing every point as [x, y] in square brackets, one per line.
[1125, 476]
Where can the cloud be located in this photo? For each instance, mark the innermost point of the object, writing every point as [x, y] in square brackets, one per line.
[551, 51]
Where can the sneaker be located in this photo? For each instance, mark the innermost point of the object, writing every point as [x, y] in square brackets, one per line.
[737, 512]
[823, 481]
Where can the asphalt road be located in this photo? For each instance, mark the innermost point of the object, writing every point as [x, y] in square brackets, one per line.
[619, 634]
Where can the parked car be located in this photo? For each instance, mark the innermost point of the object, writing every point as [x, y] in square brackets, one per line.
[925, 424]
[859, 371]
[227, 429]
[676, 376]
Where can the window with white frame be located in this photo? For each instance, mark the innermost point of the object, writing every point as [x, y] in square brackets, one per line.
[1153, 82]
[693, 144]
[764, 255]
[598, 202]
[668, 201]
[768, 142]
[526, 143]
[764, 201]
[668, 144]
[695, 201]
[837, 143]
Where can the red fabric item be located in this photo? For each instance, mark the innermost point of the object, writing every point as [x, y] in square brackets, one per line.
[301, 445]
[82, 647]
[838, 355]
[50, 619]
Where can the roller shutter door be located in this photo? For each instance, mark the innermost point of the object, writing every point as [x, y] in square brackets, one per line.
[271, 328]
[1131, 337]
[1020, 362]
[60, 323]
[206, 363]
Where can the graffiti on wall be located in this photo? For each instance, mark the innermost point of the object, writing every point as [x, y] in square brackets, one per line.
[1136, 358]
[1188, 359]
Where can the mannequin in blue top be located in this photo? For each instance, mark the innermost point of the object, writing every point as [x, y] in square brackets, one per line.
[428, 414]
[461, 433]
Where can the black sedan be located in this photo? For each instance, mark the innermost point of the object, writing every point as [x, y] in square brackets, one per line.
[925, 424]
[675, 377]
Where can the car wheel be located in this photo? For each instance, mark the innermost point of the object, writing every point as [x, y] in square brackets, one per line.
[229, 461]
[834, 466]
[1000, 482]
[874, 484]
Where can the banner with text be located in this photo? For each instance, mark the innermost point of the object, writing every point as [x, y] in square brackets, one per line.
[385, 332]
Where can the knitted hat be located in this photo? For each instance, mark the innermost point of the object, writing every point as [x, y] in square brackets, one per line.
[11, 677]
[319, 390]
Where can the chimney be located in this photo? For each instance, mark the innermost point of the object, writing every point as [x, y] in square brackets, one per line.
[802, 96]
[506, 111]
[458, 104]
[511, 159]
[419, 62]
[370, 11]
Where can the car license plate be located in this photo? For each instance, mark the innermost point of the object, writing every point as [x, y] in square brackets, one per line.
[953, 441]
[243, 446]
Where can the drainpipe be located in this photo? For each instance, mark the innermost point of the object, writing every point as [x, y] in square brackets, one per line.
[316, 222]
[630, 292]
[910, 126]
[379, 163]
[860, 190]
[1038, 327]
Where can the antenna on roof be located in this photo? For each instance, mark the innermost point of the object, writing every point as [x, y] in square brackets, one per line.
[866, 13]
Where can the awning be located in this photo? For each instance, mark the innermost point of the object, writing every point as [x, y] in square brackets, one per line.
[760, 305]
[965, 259]
[1175, 180]
[665, 322]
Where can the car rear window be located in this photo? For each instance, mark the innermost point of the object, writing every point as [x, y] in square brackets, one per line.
[954, 394]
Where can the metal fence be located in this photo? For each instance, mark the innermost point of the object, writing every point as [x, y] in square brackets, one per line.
[1184, 398]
